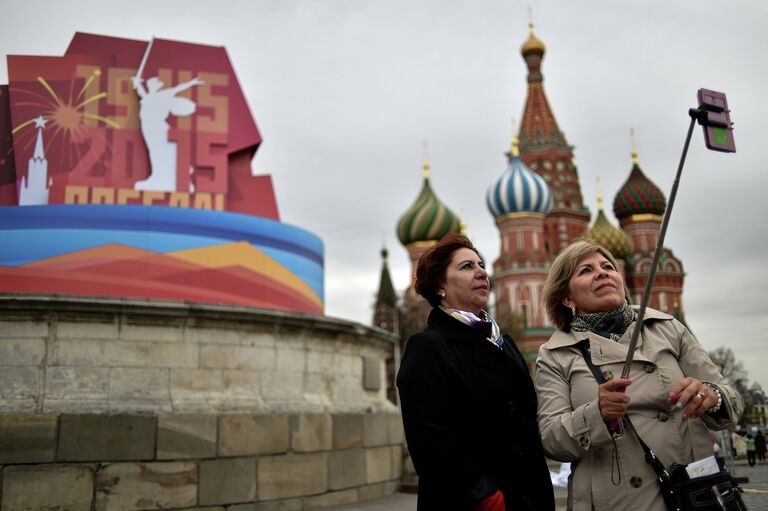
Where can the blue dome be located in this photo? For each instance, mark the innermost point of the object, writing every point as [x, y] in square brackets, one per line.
[517, 190]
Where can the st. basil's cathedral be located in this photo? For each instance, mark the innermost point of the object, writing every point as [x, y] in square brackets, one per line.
[539, 210]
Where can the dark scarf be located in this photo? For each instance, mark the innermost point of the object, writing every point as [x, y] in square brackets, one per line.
[609, 324]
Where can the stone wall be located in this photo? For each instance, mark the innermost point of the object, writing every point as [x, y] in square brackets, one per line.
[61, 355]
[109, 404]
[238, 462]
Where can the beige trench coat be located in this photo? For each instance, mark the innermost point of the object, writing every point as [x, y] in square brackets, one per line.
[573, 430]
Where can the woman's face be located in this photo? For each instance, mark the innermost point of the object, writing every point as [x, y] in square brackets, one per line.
[595, 286]
[466, 284]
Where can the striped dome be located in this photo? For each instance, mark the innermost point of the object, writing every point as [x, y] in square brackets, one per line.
[638, 196]
[606, 235]
[427, 219]
[518, 189]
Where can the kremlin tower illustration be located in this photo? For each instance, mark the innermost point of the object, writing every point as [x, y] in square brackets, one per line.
[538, 208]
[34, 186]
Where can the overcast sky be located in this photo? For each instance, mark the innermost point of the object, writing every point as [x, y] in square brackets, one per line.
[345, 92]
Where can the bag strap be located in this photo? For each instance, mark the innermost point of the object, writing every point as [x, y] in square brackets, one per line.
[650, 456]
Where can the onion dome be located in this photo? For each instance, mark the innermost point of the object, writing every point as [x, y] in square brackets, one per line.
[616, 241]
[533, 44]
[638, 196]
[428, 219]
[518, 189]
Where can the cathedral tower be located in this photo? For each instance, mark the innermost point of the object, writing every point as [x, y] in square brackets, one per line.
[544, 149]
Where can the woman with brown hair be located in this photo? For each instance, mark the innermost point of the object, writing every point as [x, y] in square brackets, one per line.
[468, 402]
[674, 392]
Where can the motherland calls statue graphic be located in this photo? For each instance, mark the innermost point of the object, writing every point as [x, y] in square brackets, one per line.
[156, 104]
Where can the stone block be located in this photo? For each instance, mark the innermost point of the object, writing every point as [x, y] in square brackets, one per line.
[397, 461]
[378, 462]
[139, 486]
[396, 433]
[79, 352]
[372, 491]
[186, 436]
[311, 432]
[19, 382]
[346, 469]
[165, 332]
[23, 329]
[22, 352]
[86, 330]
[246, 435]
[242, 384]
[47, 488]
[128, 383]
[227, 481]
[247, 358]
[371, 373]
[151, 354]
[347, 431]
[27, 438]
[106, 437]
[375, 429]
[293, 475]
[319, 362]
[77, 383]
[13, 406]
[293, 360]
[239, 336]
[282, 385]
[196, 381]
[331, 499]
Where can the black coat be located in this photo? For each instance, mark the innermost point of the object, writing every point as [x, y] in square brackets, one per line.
[469, 413]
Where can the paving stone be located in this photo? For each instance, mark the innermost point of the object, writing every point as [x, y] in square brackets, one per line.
[28, 438]
[244, 435]
[377, 464]
[106, 437]
[346, 469]
[47, 488]
[292, 475]
[311, 432]
[186, 436]
[227, 481]
[347, 431]
[375, 429]
[139, 486]
[336, 498]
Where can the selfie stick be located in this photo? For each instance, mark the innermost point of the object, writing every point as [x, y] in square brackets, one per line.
[713, 115]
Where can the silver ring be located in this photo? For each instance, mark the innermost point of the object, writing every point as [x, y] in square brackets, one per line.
[701, 396]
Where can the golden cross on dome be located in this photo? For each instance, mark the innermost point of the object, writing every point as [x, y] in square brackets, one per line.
[425, 165]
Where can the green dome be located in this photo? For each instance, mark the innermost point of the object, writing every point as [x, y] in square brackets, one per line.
[427, 219]
[638, 196]
[606, 235]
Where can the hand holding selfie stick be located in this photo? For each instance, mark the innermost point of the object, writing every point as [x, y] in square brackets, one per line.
[713, 115]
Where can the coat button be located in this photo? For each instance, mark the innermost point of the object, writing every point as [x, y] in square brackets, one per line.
[663, 416]
[636, 482]
[584, 441]
[649, 368]
[607, 375]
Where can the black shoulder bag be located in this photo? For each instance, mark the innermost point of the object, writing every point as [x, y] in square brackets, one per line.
[714, 492]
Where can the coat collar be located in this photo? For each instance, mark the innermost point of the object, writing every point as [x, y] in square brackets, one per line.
[561, 339]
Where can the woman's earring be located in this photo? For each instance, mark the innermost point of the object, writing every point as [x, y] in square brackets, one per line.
[573, 310]
[441, 294]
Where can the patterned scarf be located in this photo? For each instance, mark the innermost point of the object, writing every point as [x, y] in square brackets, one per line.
[485, 324]
[610, 324]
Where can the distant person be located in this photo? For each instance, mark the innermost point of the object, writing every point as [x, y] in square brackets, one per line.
[468, 401]
[760, 446]
[586, 299]
[750, 450]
